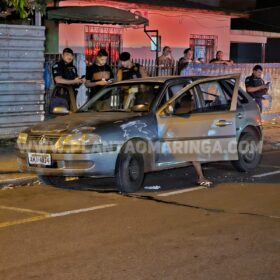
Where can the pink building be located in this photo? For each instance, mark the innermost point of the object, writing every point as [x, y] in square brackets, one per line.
[205, 28]
[181, 24]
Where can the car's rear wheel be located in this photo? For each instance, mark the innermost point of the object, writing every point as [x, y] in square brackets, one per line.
[130, 170]
[249, 152]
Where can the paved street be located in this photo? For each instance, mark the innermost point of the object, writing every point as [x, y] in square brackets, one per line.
[176, 232]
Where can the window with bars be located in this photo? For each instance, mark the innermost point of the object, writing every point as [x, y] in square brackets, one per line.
[204, 46]
[99, 37]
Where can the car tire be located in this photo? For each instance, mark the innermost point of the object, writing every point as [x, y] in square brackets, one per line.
[129, 170]
[249, 152]
[51, 180]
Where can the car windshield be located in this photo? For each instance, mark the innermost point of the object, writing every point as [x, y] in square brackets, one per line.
[130, 97]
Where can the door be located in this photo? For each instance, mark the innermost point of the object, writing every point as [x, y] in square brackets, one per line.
[198, 124]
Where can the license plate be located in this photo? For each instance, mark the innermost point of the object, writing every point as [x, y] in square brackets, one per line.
[39, 159]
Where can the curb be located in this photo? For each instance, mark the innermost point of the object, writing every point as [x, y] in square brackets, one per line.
[18, 181]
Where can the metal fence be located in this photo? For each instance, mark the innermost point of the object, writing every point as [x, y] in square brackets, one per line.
[271, 74]
[21, 78]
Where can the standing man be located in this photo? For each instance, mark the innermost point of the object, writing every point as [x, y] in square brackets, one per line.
[65, 73]
[186, 60]
[166, 59]
[220, 59]
[130, 70]
[99, 74]
[256, 86]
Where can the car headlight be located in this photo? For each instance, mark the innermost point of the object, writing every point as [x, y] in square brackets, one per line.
[80, 139]
[22, 138]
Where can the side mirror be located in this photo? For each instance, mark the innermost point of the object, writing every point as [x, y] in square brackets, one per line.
[60, 111]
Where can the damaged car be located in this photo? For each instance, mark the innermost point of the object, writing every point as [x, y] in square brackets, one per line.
[133, 127]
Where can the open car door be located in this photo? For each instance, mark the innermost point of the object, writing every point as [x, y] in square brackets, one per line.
[199, 123]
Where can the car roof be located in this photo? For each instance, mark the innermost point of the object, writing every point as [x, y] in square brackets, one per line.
[161, 79]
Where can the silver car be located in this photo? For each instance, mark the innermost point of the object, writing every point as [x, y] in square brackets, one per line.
[144, 125]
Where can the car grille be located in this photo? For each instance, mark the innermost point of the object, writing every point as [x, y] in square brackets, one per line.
[43, 139]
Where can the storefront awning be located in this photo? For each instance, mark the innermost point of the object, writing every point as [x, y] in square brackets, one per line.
[95, 14]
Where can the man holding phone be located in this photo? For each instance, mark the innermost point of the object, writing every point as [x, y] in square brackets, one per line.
[99, 74]
[65, 74]
[256, 86]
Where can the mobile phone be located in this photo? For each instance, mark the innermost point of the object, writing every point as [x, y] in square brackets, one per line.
[83, 76]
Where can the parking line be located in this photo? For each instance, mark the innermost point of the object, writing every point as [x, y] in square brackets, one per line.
[266, 174]
[23, 221]
[50, 215]
[71, 212]
[182, 191]
[23, 210]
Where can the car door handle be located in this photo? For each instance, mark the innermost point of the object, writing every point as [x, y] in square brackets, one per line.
[222, 123]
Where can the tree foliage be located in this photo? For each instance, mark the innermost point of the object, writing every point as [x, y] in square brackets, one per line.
[27, 7]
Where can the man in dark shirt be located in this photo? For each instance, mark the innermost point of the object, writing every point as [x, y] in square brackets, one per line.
[255, 85]
[65, 73]
[99, 74]
[220, 59]
[130, 70]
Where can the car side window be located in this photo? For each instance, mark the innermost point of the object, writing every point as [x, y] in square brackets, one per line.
[170, 92]
[185, 104]
[213, 97]
[228, 86]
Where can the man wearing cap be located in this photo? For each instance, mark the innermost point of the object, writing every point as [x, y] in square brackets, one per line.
[130, 70]
[65, 73]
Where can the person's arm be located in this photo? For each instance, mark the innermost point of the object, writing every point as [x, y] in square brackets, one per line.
[60, 80]
[90, 84]
[172, 59]
[217, 62]
[228, 62]
[160, 60]
[225, 62]
[143, 73]
[119, 75]
[251, 89]
[57, 72]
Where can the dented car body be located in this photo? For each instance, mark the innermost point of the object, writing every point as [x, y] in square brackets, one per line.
[133, 127]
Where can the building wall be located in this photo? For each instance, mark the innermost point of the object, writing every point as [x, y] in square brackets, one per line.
[174, 27]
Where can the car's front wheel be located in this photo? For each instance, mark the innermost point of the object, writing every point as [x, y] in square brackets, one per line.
[51, 180]
[249, 152]
[129, 170]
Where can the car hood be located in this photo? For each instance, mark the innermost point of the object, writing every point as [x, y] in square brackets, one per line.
[85, 121]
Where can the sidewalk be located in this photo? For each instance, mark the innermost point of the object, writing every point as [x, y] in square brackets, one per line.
[271, 134]
[10, 176]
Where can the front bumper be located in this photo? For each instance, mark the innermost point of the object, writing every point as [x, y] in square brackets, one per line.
[93, 165]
